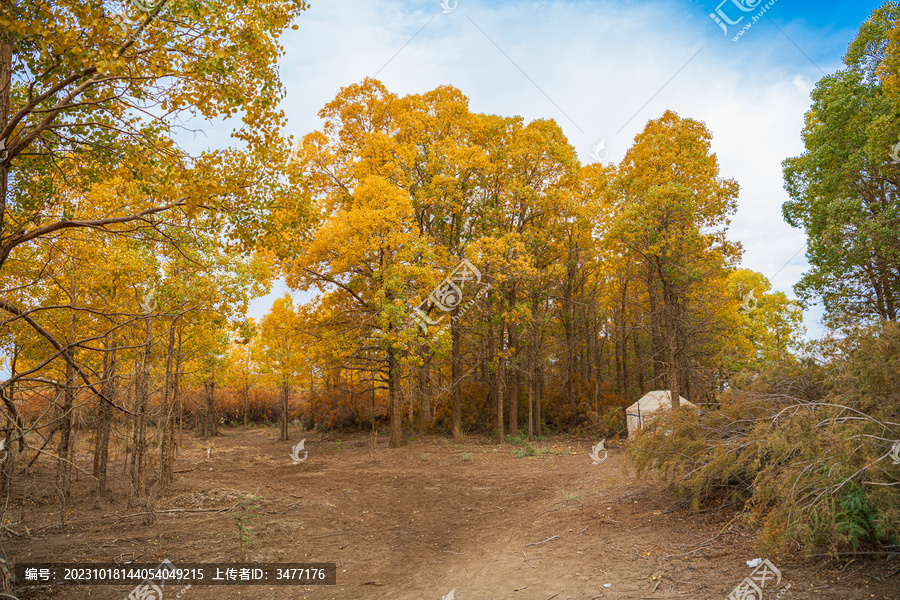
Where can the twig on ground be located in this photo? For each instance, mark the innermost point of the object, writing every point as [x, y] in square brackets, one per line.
[685, 554]
[174, 510]
[705, 542]
[712, 510]
[555, 537]
[526, 557]
[676, 506]
[578, 532]
[894, 553]
[15, 533]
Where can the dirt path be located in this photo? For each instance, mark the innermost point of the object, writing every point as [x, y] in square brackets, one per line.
[415, 523]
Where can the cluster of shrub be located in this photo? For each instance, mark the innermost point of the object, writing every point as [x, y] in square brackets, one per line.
[804, 446]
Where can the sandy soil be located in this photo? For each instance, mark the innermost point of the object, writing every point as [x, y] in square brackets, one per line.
[420, 521]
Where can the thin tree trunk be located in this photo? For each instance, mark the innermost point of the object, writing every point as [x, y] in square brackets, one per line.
[412, 394]
[455, 376]
[104, 417]
[513, 384]
[64, 448]
[501, 376]
[424, 379]
[285, 414]
[530, 396]
[176, 393]
[501, 380]
[493, 371]
[167, 440]
[245, 393]
[673, 375]
[14, 430]
[396, 405]
[212, 423]
[513, 397]
[140, 432]
[5, 87]
[539, 417]
[641, 368]
[618, 329]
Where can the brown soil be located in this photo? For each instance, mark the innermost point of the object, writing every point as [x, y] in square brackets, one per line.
[420, 521]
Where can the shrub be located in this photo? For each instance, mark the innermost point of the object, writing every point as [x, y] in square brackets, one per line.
[803, 447]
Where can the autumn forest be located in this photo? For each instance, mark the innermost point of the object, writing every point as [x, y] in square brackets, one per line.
[451, 273]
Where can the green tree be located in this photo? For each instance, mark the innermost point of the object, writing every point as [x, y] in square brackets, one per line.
[844, 187]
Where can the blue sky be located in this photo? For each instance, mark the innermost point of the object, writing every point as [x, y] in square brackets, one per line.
[601, 70]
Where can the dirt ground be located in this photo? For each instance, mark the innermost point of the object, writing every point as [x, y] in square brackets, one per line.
[418, 522]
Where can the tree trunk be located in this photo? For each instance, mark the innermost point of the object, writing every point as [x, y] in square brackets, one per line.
[512, 395]
[570, 359]
[211, 427]
[424, 379]
[64, 448]
[104, 417]
[5, 87]
[513, 384]
[167, 440]
[501, 389]
[15, 430]
[412, 395]
[539, 417]
[456, 374]
[396, 405]
[534, 420]
[657, 352]
[501, 378]
[285, 413]
[492, 361]
[246, 403]
[673, 375]
[530, 396]
[641, 368]
[619, 351]
[139, 439]
[176, 393]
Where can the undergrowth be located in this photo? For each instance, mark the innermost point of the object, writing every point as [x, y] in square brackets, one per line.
[803, 446]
